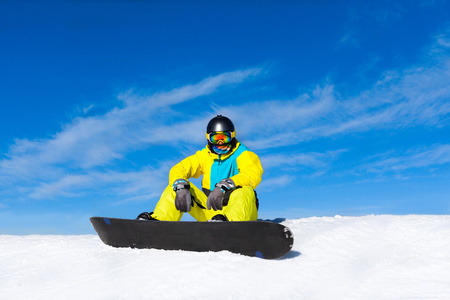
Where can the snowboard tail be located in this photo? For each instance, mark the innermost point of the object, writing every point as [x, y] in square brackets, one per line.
[253, 238]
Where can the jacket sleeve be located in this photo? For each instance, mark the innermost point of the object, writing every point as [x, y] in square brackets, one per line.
[187, 168]
[250, 170]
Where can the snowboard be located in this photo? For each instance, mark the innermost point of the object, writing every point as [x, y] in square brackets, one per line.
[252, 238]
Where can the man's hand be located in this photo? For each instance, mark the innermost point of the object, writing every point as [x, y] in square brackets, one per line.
[183, 199]
[215, 198]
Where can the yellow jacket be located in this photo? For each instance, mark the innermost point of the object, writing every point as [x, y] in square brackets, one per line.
[241, 165]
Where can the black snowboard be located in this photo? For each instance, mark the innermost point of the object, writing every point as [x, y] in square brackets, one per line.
[252, 238]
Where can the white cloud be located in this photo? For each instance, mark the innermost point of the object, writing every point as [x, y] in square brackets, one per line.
[145, 104]
[275, 123]
[147, 183]
[67, 163]
[87, 109]
[312, 160]
[81, 157]
[273, 183]
[96, 141]
[310, 164]
[395, 161]
[417, 96]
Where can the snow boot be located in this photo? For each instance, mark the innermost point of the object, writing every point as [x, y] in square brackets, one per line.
[145, 216]
[219, 218]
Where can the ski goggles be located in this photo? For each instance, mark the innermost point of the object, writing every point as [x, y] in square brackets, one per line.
[220, 137]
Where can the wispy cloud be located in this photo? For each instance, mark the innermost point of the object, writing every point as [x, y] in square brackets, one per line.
[67, 163]
[276, 182]
[96, 141]
[276, 123]
[313, 160]
[129, 186]
[82, 156]
[417, 96]
[398, 162]
[310, 165]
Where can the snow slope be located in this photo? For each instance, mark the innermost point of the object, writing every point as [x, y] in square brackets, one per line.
[371, 257]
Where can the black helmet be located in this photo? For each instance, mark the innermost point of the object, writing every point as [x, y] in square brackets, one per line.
[220, 134]
[220, 123]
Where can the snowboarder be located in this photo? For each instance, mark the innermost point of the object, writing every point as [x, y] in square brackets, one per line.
[230, 172]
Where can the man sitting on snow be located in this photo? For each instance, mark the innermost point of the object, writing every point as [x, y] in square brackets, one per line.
[230, 172]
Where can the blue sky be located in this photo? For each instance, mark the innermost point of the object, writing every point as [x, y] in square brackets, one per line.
[345, 102]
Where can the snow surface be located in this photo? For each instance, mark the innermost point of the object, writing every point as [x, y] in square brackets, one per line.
[370, 257]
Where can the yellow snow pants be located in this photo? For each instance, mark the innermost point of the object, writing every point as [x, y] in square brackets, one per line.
[241, 206]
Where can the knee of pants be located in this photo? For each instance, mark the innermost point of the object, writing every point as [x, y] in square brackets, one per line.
[165, 209]
[242, 205]
[245, 195]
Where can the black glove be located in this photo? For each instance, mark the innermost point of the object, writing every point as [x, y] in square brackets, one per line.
[183, 199]
[215, 198]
